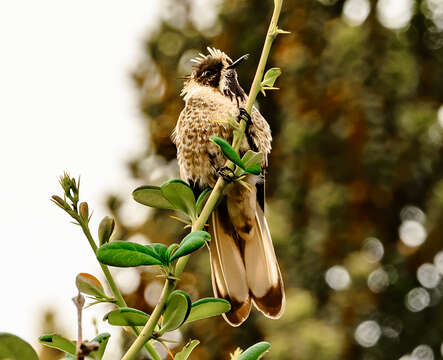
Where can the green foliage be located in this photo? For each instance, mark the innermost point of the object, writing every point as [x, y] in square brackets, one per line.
[228, 151]
[186, 351]
[128, 254]
[69, 347]
[152, 196]
[126, 317]
[179, 194]
[14, 348]
[192, 242]
[105, 230]
[269, 79]
[207, 307]
[176, 312]
[58, 342]
[102, 340]
[255, 352]
[232, 155]
[90, 285]
[172, 195]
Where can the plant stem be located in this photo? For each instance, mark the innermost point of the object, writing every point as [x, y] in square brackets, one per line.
[217, 191]
[147, 331]
[115, 291]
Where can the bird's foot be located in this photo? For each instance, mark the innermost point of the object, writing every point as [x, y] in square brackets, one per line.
[243, 115]
[227, 174]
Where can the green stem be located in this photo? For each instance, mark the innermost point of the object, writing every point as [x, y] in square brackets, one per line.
[115, 291]
[216, 193]
[147, 331]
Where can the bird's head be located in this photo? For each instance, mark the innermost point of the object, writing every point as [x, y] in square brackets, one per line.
[217, 71]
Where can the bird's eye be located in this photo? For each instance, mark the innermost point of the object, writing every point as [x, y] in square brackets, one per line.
[207, 73]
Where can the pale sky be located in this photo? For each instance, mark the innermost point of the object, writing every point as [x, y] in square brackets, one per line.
[67, 103]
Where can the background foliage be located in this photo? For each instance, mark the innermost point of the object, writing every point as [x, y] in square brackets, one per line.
[355, 186]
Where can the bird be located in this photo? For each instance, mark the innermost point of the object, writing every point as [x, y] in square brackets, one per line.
[244, 267]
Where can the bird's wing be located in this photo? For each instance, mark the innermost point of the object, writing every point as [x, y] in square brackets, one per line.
[260, 133]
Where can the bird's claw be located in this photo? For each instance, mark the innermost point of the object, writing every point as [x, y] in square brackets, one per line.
[243, 115]
[227, 174]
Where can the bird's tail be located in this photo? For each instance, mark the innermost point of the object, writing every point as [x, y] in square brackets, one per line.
[243, 261]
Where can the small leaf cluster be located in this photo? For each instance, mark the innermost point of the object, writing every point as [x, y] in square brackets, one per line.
[173, 195]
[269, 79]
[94, 349]
[129, 254]
[179, 310]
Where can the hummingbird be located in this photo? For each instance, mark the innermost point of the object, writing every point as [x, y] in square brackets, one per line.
[244, 267]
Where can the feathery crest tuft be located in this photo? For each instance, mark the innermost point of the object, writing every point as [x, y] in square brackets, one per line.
[213, 53]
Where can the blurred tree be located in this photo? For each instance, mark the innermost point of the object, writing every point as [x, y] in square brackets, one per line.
[355, 186]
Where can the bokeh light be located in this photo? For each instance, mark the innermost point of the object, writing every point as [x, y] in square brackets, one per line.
[428, 275]
[355, 12]
[378, 280]
[434, 11]
[412, 212]
[417, 299]
[128, 280]
[438, 261]
[395, 14]
[152, 292]
[337, 277]
[373, 250]
[440, 115]
[173, 339]
[423, 352]
[367, 333]
[412, 233]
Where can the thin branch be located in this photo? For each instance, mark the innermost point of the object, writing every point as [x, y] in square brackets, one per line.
[216, 193]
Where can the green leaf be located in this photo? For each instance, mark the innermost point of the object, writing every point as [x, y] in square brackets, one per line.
[228, 151]
[271, 75]
[151, 196]
[105, 230]
[186, 351]
[102, 339]
[90, 285]
[251, 158]
[177, 310]
[192, 242]
[252, 161]
[255, 169]
[14, 348]
[126, 317]
[201, 201]
[207, 307]
[69, 357]
[160, 252]
[58, 342]
[126, 254]
[180, 195]
[171, 249]
[255, 351]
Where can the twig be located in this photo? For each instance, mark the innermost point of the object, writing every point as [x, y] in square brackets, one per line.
[79, 302]
[216, 193]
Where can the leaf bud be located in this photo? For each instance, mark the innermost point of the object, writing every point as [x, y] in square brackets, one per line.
[59, 200]
[105, 230]
[84, 211]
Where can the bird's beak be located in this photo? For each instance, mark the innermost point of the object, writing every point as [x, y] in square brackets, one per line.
[238, 62]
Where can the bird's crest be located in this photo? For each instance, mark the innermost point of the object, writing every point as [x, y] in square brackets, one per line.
[214, 54]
